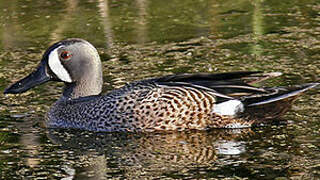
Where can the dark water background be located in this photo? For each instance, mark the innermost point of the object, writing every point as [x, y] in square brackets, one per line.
[146, 38]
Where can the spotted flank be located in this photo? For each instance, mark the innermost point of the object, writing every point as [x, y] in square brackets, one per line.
[171, 103]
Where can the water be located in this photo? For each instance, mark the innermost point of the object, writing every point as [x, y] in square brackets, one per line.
[147, 38]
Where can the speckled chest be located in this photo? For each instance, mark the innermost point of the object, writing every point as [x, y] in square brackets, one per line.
[111, 112]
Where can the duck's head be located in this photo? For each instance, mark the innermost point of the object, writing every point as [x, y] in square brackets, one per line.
[73, 61]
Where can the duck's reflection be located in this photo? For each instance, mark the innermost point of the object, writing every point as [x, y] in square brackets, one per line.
[230, 147]
[141, 154]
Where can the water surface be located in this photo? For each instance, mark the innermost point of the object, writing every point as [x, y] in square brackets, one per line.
[147, 38]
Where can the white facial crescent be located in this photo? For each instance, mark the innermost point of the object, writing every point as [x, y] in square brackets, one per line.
[57, 68]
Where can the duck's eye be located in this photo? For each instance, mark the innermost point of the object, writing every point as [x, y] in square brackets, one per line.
[65, 55]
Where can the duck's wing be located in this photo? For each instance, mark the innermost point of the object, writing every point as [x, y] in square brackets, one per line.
[277, 94]
[241, 77]
[232, 84]
[238, 85]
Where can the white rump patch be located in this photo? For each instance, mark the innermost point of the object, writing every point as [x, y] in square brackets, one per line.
[228, 108]
[56, 66]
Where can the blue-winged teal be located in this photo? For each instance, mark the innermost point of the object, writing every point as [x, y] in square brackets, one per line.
[174, 102]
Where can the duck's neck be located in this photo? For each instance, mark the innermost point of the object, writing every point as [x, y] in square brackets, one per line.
[83, 88]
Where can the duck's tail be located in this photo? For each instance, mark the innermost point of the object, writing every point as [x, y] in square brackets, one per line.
[273, 104]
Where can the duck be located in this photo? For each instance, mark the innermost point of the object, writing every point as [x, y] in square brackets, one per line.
[176, 102]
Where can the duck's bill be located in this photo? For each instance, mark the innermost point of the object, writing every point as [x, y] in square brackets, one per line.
[35, 78]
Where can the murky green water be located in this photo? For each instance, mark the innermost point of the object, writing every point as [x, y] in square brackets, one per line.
[145, 38]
